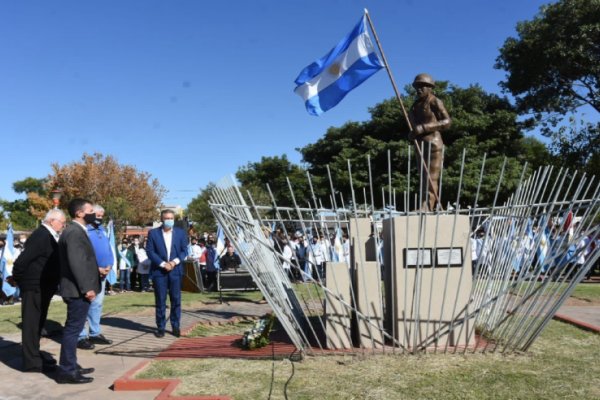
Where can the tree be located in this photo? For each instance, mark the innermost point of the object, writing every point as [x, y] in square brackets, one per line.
[127, 195]
[274, 171]
[31, 185]
[577, 146]
[26, 213]
[482, 123]
[198, 211]
[553, 66]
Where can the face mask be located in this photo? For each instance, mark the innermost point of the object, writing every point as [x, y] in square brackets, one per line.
[97, 222]
[168, 223]
[89, 218]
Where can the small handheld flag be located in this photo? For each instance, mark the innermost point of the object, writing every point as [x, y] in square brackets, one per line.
[325, 82]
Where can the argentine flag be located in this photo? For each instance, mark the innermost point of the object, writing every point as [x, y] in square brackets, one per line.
[325, 82]
[112, 274]
[6, 261]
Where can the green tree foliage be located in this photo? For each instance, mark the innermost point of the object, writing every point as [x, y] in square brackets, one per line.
[482, 123]
[273, 171]
[577, 146]
[31, 185]
[554, 64]
[20, 210]
[198, 211]
[553, 68]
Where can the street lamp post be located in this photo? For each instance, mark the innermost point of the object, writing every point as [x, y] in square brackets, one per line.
[56, 194]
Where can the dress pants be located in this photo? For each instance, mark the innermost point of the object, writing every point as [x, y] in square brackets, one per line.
[170, 281]
[34, 310]
[77, 310]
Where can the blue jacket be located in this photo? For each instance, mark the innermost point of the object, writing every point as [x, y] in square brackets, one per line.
[157, 250]
[101, 245]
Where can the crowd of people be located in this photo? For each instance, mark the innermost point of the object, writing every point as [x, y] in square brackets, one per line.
[305, 258]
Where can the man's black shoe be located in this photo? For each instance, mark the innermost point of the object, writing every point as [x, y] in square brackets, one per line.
[159, 334]
[76, 378]
[85, 344]
[100, 339]
[85, 371]
[176, 332]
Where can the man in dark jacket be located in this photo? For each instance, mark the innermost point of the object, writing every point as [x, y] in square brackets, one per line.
[37, 272]
[230, 260]
[79, 284]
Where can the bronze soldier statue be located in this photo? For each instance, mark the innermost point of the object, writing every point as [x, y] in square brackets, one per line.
[428, 117]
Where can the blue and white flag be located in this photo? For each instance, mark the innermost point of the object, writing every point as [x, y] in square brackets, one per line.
[6, 260]
[220, 246]
[112, 274]
[325, 82]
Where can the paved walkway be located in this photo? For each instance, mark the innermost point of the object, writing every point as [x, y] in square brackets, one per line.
[133, 340]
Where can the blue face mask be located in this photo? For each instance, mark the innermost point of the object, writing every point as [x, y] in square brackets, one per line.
[168, 223]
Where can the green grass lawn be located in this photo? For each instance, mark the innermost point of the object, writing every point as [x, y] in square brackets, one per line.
[587, 291]
[562, 364]
[126, 303]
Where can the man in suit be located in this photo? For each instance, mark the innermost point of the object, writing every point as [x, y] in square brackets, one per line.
[167, 250]
[37, 272]
[105, 260]
[79, 284]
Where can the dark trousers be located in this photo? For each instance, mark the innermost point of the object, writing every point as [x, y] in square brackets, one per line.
[77, 310]
[211, 280]
[34, 310]
[170, 282]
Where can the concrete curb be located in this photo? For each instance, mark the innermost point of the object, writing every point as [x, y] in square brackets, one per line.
[128, 382]
[577, 323]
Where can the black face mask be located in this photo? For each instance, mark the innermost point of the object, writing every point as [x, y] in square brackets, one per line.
[89, 218]
[97, 222]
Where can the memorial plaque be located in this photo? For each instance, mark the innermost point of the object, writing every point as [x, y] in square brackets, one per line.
[446, 256]
[417, 257]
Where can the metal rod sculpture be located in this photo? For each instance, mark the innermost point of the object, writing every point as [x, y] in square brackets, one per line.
[528, 251]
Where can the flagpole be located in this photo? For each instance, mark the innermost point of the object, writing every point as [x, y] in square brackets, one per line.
[387, 68]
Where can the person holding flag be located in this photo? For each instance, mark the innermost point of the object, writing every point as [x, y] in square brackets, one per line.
[37, 272]
[105, 260]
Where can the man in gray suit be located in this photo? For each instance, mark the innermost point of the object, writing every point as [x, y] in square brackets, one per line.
[79, 284]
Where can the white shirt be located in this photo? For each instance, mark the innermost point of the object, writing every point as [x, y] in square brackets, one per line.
[168, 237]
[52, 231]
[287, 255]
[196, 252]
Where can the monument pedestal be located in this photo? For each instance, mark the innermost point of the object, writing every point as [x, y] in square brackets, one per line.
[428, 279]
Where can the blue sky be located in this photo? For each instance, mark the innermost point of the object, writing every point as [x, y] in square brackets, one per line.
[191, 90]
